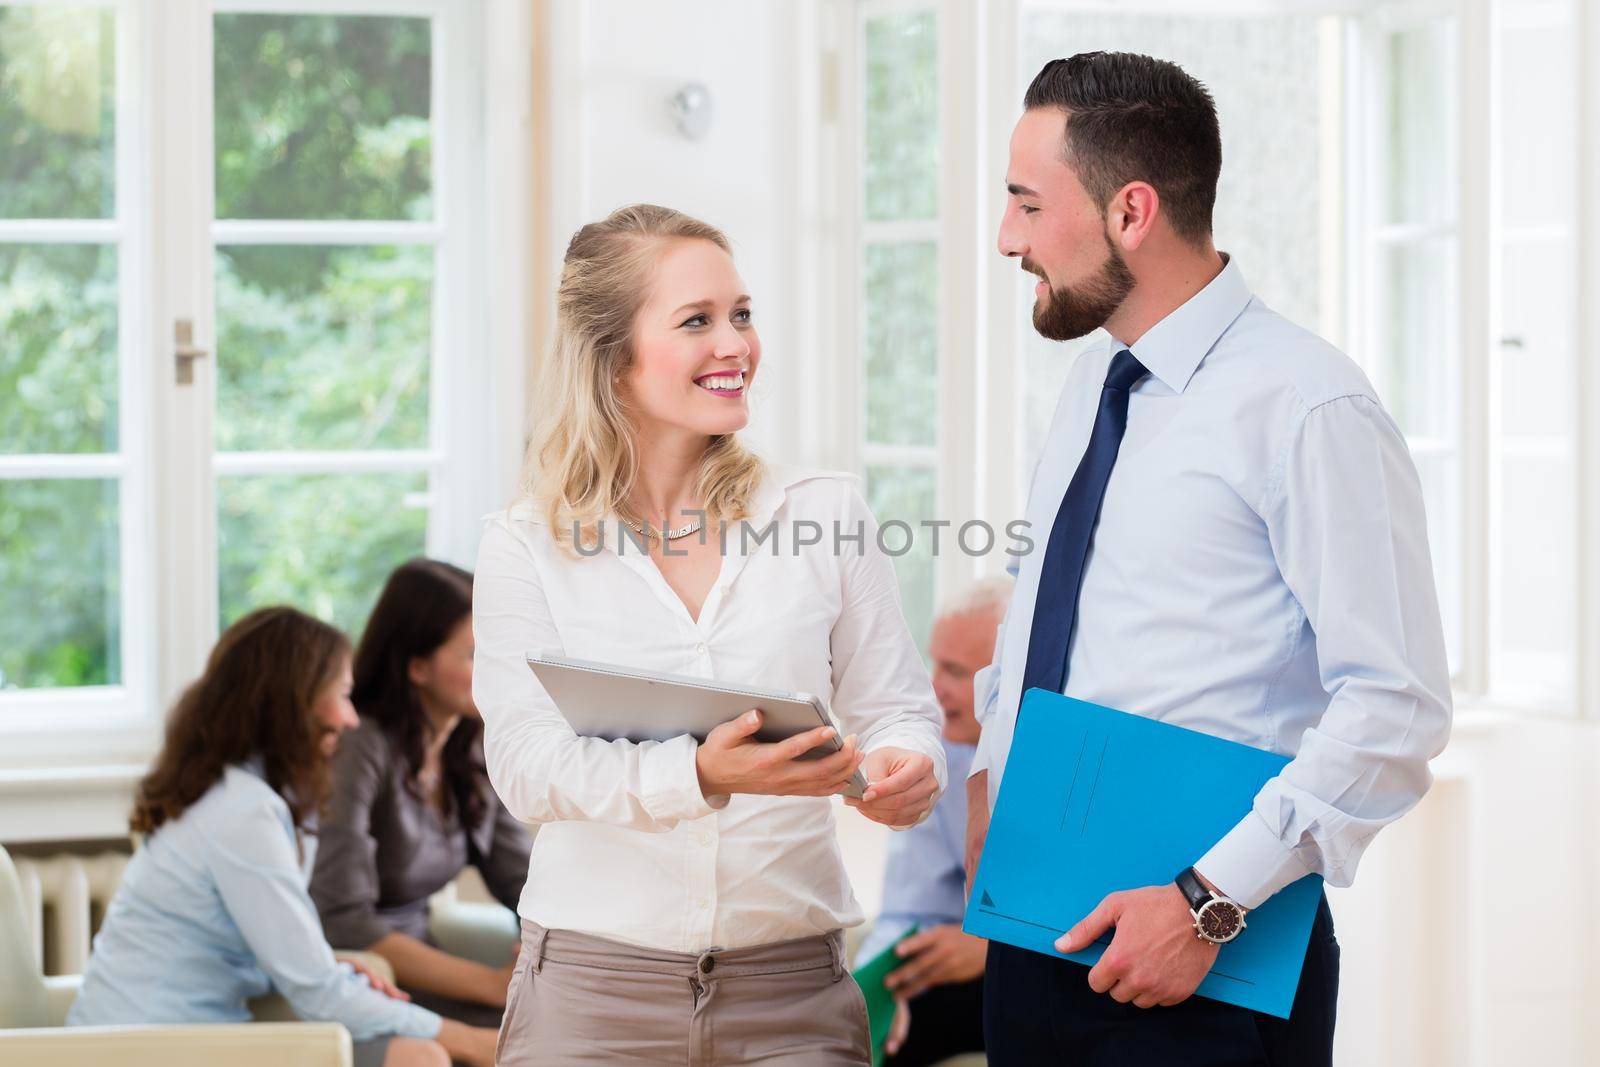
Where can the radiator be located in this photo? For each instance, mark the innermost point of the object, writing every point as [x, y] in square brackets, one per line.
[64, 897]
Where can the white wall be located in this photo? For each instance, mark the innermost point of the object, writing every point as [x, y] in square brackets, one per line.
[1469, 938]
[614, 65]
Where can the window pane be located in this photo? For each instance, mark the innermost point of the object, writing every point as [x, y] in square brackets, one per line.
[323, 347]
[60, 598]
[58, 348]
[1263, 74]
[323, 117]
[900, 319]
[900, 142]
[1417, 290]
[323, 543]
[57, 112]
[1421, 118]
[1538, 308]
[1539, 94]
[1441, 496]
[908, 494]
[1538, 593]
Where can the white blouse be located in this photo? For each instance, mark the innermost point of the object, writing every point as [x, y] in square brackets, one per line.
[628, 848]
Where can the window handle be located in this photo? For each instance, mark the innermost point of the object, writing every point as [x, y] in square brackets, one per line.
[185, 353]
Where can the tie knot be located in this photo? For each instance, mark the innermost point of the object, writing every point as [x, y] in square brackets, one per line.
[1125, 371]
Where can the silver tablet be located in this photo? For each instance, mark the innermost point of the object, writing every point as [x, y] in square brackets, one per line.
[614, 702]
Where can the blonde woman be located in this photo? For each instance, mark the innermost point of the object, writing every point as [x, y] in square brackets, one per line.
[684, 901]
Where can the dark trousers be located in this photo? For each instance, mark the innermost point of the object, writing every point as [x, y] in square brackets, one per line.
[946, 1021]
[1039, 1010]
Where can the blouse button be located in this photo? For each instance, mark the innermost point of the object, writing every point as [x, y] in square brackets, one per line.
[700, 648]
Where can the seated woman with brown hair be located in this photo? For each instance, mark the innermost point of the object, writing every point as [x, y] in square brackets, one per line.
[213, 909]
[412, 805]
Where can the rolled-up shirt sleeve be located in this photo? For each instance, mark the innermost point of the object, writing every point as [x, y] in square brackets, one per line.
[881, 689]
[542, 770]
[260, 882]
[1346, 524]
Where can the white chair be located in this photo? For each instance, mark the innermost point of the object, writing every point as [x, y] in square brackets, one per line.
[33, 1011]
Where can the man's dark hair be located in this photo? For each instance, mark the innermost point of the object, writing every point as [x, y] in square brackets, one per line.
[1134, 118]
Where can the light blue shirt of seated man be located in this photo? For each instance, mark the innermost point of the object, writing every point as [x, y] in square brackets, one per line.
[213, 911]
[924, 880]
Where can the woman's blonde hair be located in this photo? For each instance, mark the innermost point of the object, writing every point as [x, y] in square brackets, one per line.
[582, 458]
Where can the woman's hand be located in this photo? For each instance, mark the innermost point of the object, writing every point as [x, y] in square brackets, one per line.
[902, 790]
[731, 760]
[377, 981]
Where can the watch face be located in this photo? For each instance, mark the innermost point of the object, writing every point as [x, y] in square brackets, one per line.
[1220, 920]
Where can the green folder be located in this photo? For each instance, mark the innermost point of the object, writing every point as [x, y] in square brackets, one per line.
[880, 1002]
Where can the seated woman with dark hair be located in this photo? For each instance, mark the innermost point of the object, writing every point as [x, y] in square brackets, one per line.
[412, 805]
[213, 909]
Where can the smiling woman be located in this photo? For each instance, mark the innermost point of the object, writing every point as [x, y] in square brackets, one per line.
[720, 857]
[579, 459]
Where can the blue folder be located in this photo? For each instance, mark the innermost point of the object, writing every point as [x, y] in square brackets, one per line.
[1094, 801]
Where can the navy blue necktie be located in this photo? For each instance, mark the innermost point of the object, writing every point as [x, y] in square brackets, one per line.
[1055, 610]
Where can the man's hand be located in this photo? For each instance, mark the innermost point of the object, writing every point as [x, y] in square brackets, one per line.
[899, 1027]
[977, 822]
[377, 981]
[939, 955]
[901, 787]
[1155, 957]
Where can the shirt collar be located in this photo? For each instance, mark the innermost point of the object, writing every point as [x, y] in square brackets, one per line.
[1173, 348]
[776, 481]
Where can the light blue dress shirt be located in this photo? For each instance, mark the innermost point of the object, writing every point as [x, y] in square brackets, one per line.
[924, 878]
[213, 911]
[1260, 572]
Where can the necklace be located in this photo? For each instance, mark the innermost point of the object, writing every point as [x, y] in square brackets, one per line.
[671, 535]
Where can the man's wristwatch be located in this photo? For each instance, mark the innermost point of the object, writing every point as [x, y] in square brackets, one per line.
[1216, 918]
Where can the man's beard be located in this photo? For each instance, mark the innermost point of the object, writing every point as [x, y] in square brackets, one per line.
[1065, 314]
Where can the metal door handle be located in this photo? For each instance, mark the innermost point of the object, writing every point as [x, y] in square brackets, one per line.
[185, 353]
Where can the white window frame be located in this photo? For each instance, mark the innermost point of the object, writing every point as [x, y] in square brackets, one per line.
[1588, 365]
[1496, 16]
[978, 58]
[100, 738]
[954, 458]
[1370, 236]
[1479, 442]
[32, 719]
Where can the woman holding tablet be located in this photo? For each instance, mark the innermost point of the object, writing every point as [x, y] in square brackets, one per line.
[684, 901]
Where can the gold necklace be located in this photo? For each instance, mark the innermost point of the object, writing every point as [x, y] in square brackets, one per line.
[671, 535]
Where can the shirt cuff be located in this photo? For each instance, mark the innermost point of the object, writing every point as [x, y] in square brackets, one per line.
[672, 782]
[980, 759]
[419, 1022]
[1250, 864]
[917, 741]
